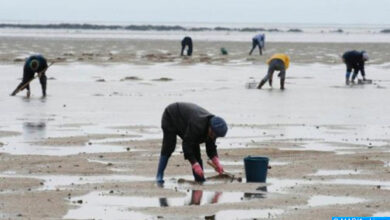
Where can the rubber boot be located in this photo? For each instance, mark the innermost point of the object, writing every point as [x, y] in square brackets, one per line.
[196, 177]
[162, 164]
[282, 84]
[347, 78]
[261, 84]
[353, 78]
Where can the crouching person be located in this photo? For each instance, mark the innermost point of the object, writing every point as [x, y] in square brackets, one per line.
[194, 125]
[278, 62]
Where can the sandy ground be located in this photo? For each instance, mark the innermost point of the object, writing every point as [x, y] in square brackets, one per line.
[136, 51]
[90, 149]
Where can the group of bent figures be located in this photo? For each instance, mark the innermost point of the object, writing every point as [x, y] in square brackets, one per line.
[354, 60]
[192, 123]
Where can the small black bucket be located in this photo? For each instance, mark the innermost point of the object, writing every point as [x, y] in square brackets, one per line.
[256, 169]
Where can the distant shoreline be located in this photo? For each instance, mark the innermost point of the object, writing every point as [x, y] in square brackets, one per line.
[141, 27]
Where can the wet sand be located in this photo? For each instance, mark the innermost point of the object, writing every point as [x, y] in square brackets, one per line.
[141, 52]
[90, 149]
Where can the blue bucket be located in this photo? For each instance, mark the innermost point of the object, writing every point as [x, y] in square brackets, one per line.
[256, 169]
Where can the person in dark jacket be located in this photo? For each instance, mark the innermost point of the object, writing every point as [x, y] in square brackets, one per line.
[194, 125]
[34, 64]
[186, 42]
[354, 60]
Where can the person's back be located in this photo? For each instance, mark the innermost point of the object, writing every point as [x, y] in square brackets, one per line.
[260, 38]
[33, 60]
[188, 114]
[353, 56]
[281, 56]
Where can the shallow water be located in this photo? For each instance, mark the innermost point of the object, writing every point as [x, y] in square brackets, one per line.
[115, 204]
[332, 200]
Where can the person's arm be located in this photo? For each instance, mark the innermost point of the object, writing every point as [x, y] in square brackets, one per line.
[190, 141]
[211, 150]
[361, 65]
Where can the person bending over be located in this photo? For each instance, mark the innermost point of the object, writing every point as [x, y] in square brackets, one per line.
[34, 64]
[279, 62]
[194, 125]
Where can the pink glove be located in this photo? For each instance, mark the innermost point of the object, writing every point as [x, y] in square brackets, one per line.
[217, 164]
[197, 169]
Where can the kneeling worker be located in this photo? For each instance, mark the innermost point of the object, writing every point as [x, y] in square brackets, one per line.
[354, 60]
[278, 62]
[194, 125]
[34, 64]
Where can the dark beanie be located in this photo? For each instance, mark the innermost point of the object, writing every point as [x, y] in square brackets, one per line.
[219, 126]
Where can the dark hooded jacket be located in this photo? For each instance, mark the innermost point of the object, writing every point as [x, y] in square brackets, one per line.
[191, 122]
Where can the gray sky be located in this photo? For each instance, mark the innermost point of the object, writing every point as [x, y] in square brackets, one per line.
[184, 11]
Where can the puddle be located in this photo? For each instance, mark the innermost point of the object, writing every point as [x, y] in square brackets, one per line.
[282, 185]
[358, 182]
[382, 214]
[27, 149]
[332, 200]
[247, 214]
[111, 205]
[335, 172]
[318, 146]
[34, 130]
[99, 210]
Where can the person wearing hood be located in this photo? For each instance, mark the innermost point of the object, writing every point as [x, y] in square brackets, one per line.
[354, 60]
[186, 42]
[194, 125]
[278, 62]
[34, 64]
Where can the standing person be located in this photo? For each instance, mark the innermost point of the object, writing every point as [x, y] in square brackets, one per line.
[34, 64]
[194, 125]
[258, 40]
[354, 60]
[278, 62]
[186, 42]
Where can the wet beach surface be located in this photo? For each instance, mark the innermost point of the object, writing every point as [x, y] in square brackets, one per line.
[90, 149]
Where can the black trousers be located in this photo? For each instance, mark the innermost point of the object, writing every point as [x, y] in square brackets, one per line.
[355, 68]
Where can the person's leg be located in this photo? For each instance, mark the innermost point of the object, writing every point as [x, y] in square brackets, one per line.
[253, 46]
[266, 78]
[271, 69]
[189, 51]
[27, 76]
[355, 73]
[261, 50]
[182, 48]
[168, 147]
[282, 78]
[282, 74]
[43, 81]
[348, 73]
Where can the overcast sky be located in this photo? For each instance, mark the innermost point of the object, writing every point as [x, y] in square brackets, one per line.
[198, 11]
